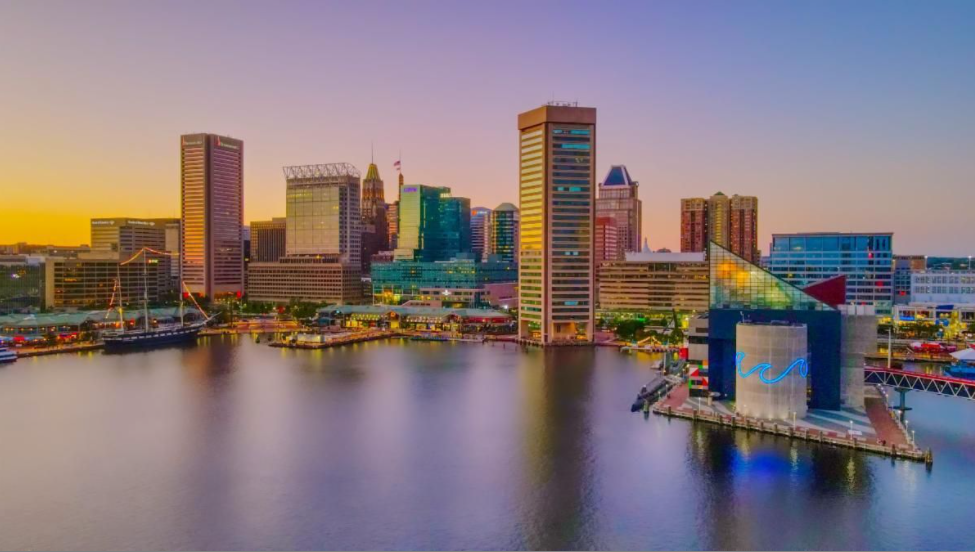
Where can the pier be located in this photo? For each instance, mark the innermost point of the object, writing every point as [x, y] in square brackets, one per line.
[890, 438]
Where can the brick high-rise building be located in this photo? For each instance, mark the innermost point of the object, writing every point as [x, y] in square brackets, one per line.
[693, 224]
[730, 222]
[743, 227]
[212, 219]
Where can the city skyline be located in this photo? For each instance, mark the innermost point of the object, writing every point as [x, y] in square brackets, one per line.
[832, 126]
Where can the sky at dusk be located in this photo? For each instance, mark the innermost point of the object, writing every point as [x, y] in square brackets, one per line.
[839, 116]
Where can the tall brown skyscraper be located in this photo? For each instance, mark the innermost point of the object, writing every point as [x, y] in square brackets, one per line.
[557, 156]
[729, 222]
[743, 227]
[693, 224]
[212, 201]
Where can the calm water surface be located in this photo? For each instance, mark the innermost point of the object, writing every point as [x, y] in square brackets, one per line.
[234, 445]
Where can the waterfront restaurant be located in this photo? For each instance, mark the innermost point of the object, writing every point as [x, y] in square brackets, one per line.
[393, 317]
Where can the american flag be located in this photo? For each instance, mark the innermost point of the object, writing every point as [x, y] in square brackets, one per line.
[396, 165]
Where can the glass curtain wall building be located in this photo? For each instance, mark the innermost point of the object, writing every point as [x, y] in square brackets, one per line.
[741, 291]
[557, 151]
[322, 207]
[865, 259]
[400, 281]
[503, 233]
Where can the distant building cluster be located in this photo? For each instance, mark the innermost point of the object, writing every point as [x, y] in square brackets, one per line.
[569, 252]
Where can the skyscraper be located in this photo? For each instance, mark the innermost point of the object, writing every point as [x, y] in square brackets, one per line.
[375, 227]
[618, 200]
[503, 229]
[693, 225]
[718, 215]
[480, 231]
[743, 227]
[732, 223]
[322, 204]
[433, 225]
[392, 223]
[557, 151]
[212, 214]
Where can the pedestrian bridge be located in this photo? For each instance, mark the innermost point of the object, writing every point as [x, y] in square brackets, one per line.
[942, 385]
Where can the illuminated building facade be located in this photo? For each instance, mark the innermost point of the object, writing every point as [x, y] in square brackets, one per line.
[654, 282]
[268, 240]
[557, 152]
[401, 281]
[312, 278]
[771, 370]
[865, 259]
[212, 214]
[618, 200]
[741, 291]
[91, 282]
[323, 216]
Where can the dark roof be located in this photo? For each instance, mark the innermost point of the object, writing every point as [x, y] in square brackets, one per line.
[618, 176]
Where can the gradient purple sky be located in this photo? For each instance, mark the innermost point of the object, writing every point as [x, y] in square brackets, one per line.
[840, 116]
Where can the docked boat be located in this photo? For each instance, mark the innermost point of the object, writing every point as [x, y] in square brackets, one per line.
[154, 337]
[6, 355]
[147, 336]
[964, 365]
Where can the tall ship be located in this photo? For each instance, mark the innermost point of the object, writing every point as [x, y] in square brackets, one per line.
[147, 336]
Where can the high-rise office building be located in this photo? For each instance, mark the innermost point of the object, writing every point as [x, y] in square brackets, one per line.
[743, 227]
[731, 222]
[480, 231]
[865, 259]
[433, 225]
[126, 236]
[375, 227]
[392, 223]
[618, 200]
[268, 240]
[557, 152]
[418, 230]
[719, 208]
[503, 225]
[693, 225]
[455, 226]
[646, 282]
[212, 197]
[323, 211]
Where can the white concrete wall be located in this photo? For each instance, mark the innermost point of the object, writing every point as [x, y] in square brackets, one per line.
[778, 346]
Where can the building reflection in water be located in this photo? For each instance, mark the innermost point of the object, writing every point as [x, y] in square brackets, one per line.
[558, 504]
[751, 481]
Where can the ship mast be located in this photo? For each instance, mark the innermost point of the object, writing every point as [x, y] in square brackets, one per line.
[118, 281]
[145, 288]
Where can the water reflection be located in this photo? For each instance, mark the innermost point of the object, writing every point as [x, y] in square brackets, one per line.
[234, 445]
